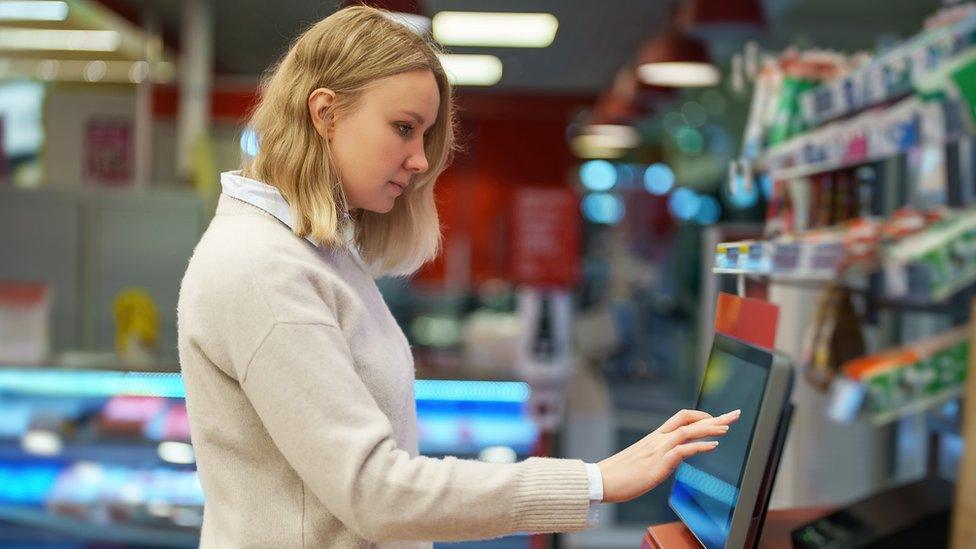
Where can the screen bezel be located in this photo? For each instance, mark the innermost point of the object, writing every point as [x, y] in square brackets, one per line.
[775, 393]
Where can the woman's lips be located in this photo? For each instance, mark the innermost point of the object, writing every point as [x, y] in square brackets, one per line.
[400, 188]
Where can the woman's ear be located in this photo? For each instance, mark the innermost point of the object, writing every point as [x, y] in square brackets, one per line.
[320, 102]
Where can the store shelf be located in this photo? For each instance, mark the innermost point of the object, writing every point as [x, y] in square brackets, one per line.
[86, 530]
[921, 269]
[921, 405]
[786, 259]
[131, 452]
[938, 262]
[892, 73]
[884, 387]
[873, 135]
[893, 104]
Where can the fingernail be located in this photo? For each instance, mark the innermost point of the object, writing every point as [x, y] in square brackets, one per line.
[734, 413]
[725, 428]
[714, 443]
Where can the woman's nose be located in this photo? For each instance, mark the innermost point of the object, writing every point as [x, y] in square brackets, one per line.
[417, 163]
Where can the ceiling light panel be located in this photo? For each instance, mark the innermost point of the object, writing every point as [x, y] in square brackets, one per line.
[472, 70]
[679, 74]
[59, 40]
[21, 10]
[495, 29]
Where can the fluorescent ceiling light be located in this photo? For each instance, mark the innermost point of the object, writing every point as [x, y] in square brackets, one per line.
[605, 141]
[472, 70]
[51, 39]
[17, 10]
[512, 30]
[594, 146]
[679, 74]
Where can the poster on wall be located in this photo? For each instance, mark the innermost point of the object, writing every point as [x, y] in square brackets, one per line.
[546, 244]
[108, 151]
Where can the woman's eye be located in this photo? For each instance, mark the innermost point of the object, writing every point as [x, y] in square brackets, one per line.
[404, 129]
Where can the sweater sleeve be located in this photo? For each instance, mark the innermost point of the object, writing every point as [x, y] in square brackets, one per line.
[302, 382]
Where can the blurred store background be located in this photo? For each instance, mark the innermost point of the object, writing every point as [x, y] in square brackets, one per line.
[610, 148]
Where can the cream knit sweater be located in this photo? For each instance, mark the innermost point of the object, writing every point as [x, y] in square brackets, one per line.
[300, 395]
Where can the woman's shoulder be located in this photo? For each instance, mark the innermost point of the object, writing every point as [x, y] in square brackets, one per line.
[252, 256]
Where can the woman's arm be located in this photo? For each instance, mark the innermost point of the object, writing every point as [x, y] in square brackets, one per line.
[303, 385]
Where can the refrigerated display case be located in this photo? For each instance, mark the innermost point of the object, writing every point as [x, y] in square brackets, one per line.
[89, 457]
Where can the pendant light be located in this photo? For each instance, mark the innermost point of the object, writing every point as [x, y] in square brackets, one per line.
[675, 60]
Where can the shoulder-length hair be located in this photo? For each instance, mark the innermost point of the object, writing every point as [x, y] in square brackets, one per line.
[346, 52]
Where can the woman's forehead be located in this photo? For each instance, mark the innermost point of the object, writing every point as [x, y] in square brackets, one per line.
[412, 91]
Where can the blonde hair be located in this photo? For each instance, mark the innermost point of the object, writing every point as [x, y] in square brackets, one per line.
[346, 52]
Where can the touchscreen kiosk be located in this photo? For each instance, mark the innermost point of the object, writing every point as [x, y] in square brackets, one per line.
[721, 496]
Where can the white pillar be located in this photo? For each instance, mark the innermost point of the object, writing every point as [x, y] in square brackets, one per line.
[196, 77]
[143, 118]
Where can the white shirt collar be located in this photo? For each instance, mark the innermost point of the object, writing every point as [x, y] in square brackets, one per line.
[268, 198]
[260, 195]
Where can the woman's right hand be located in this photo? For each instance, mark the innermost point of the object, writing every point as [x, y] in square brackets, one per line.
[648, 462]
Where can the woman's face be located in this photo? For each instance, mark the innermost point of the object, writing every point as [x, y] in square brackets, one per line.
[378, 145]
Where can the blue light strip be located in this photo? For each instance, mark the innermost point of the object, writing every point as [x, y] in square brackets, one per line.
[472, 391]
[95, 383]
[92, 383]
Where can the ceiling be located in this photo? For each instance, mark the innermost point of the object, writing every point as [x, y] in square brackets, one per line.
[595, 37]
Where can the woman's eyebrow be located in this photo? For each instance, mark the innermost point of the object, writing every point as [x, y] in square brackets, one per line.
[417, 117]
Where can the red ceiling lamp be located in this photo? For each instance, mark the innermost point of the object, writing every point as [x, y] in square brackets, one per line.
[618, 105]
[610, 109]
[606, 131]
[730, 19]
[674, 60]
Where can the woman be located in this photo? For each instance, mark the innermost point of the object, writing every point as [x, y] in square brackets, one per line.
[299, 381]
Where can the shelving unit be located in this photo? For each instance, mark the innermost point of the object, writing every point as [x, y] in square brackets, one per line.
[891, 74]
[906, 118]
[780, 260]
[887, 386]
[876, 134]
[921, 269]
[903, 98]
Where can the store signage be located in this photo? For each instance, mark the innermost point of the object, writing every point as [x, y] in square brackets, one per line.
[751, 320]
[546, 237]
[108, 151]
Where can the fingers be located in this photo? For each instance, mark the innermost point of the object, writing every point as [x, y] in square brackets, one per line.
[684, 417]
[702, 429]
[729, 418]
[684, 451]
[711, 427]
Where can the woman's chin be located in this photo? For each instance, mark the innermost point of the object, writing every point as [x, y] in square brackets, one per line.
[382, 207]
